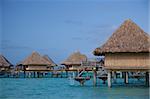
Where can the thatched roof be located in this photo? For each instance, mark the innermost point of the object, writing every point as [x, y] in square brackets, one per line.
[75, 59]
[35, 59]
[4, 61]
[129, 37]
[47, 58]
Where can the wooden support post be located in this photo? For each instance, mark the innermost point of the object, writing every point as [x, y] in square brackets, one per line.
[29, 74]
[109, 79]
[44, 74]
[34, 74]
[24, 71]
[38, 74]
[61, 74]
[66, 74]
[18, 74]
[82, 83]
[147, 79]
[94, 77]
[76, 73]
[24, 74]
[121, 74]
[126, 78]
[51, 74]
[87, 73]
[73, 74]
[115, 77]
[41, 74]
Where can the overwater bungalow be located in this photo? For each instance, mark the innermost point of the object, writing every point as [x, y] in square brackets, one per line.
[126, 50]
[36, 63]
[5, 66]
[74, 60]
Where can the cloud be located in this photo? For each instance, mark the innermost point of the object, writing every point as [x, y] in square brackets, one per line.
[77, 38]
[8, 44]
[105, 27]
[73, 22]
[102, 26]
[101, 31]
[96, 34]
[4, 47]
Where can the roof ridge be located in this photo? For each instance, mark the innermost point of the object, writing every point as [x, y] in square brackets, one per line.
[4, 61]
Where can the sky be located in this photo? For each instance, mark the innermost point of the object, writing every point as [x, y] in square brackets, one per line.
[60, 27]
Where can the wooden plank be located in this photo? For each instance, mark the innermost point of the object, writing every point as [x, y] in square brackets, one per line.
[127, 59]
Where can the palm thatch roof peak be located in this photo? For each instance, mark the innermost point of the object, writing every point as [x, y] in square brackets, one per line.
[4, 61]
[129, 37]
[46, 57]
[75, 59]
[35, 59]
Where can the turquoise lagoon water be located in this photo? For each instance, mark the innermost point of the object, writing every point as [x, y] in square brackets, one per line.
[59, 88]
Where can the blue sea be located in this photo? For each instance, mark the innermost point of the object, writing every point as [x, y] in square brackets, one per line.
[60, 88]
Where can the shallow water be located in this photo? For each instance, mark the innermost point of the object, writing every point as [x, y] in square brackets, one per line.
[59, 88]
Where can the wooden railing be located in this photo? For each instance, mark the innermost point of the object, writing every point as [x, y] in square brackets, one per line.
[90, 64]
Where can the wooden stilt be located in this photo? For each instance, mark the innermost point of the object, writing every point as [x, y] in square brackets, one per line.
[61, 74]
[66, 74]
[73, 74]
[51, 74]
[109, 79]
[115, 77]
[29, 74]
[147, 79]
[94, 77]
[82, 83]
[34, 74]
[38, 74]
[43, 74]
[24, 71]
[121, 74]
[87, 73]
[76, 73]
[24, 74]
[126, 78]
[18, 74]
